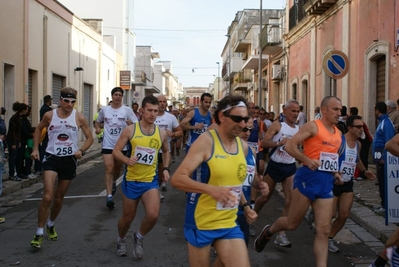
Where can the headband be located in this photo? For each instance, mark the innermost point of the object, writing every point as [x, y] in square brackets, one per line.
[68, 95]
[240, 104]
[117, 89]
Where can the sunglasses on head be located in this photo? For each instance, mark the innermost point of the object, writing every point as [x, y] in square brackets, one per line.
[237, 118]
[69, 101]
[246, 129]
[358, 126]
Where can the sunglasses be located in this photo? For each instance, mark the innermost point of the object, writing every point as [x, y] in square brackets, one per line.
[69, 101]
[358, 126]
[236, 118]
[246, 129]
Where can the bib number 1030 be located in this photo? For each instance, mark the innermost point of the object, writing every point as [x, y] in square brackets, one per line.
[329, 162]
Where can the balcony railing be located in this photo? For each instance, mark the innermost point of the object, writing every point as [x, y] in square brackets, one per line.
[271, 36]
[297, 13]
[140, 78]
[317, 7]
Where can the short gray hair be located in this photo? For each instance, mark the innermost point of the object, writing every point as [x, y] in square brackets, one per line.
[291, 101]
[391, 104]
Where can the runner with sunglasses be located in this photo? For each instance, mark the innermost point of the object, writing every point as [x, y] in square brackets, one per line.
[213, 199]
[281, 167]
[115, 117]
[60, 160]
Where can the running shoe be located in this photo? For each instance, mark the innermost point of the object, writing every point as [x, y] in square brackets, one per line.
[380, 210]
[178, 153]
[16, 178]
[138, 251]
[31, 176]
[310, 216]
[110, 203]
[51, 233]
[332, 247]
[2, 219]
[282, 240]
[162, 197]
[113, 187]
[372, 265]
[121, 248]
[173, 159]
[163, 186]
[261, 240]
[37, 241]
[252, 230]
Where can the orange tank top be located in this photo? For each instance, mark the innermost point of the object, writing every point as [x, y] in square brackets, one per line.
[323, 141]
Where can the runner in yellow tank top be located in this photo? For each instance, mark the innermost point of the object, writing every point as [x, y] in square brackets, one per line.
[212, 201]
[140, 181]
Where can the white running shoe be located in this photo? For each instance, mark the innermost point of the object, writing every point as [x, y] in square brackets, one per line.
[332, 247]
[282, 240]
[121, 250]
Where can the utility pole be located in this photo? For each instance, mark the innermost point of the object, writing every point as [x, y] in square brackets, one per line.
[260, 57]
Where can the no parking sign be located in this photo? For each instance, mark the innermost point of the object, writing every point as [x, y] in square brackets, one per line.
[336, 64]
[136, 96]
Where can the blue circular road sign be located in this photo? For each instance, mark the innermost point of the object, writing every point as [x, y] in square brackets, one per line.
[336, 64]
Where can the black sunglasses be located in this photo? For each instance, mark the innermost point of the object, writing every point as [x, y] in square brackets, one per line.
[246, 129]
[358, 126]
[236, 118]
[67, 101]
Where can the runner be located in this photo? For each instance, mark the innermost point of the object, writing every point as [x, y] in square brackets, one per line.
[140, 181]
[114, 117]
[170, 125]
[313, 183]
[281, 167]
[197, 121]
[348, 161]
[212, 203]
[62, 152]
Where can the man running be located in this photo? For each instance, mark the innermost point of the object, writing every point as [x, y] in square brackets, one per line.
[170, 125]
[140, 181]
[60, 160]
[212, 203]
[114, 117]
[313, 183]
[348, 161]
[197, 120]
[281, 167]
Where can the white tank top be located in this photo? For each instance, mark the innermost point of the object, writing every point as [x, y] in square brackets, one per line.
[279, 154]
[62, 135]
[168, 122]
[114, 122]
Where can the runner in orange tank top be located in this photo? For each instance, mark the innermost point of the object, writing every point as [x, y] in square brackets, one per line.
[314, 181]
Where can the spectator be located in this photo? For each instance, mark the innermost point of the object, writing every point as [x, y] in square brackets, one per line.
[384, 132]
[301, 120]
[135, 107]
[43, 145]
[26, 143]
[317, 114]
[393, 114]
[14, 140]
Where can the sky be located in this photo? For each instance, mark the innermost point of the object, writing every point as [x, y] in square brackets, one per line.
[190, 34]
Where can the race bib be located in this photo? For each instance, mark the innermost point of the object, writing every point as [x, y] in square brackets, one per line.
[347, 170]
[377, 157]
[145, 155]
[202, 130]
[235, 190]
[329, 162]
[63, 149]
[253, 145]
[115, 130]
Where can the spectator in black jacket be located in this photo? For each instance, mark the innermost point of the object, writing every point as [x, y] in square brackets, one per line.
[14, 140]
[26, 134]
[48, 100]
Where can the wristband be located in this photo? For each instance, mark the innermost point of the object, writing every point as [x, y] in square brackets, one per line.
[166, 169]
[83, 152]
[246, 205]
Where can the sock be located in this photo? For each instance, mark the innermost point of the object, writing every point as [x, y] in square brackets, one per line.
[139, 236]
[380, 262]
[40, 231]
[110, 195]
[121, 239]
[330, 238]
[252, 204]
[50, 223]
[268, 233]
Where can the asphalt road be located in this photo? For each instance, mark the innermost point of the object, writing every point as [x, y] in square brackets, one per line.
[87, 232]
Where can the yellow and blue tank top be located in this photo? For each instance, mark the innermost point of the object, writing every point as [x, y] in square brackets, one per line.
[247, 185]
[146, 147]
[223, 169]
[198, 118]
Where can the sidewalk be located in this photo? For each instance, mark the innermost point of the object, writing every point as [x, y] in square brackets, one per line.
[10, 186]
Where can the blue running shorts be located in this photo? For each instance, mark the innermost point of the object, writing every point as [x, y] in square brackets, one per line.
[135, 189]
[203, 238]
[314, 184]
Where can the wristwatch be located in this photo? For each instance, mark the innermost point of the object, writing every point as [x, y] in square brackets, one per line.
[166, 168]
[246, 204]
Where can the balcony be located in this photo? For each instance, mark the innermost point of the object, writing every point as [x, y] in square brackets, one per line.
[317, 7]
[241, 45]
[140, 78]
[271, 36]
[252, 63]
[236, 66]
[241, 80]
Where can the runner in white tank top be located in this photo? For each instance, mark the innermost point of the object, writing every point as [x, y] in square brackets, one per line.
[169, 123]
[115, 118]
[62, 153]
[281, 167]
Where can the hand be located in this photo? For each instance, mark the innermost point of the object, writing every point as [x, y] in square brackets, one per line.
[283, 141]
[131, 161]
[98, 131]
[78, 154]
[369, 175]
[313, 164]
[263, 187]
[169, 133]
[338, 179]
[129, 122]
[223, 195]
[34, 155]
[199, 126]
[166, 176]
[250, 215]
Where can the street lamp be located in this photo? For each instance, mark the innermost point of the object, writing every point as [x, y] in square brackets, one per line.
[228, 36]
[218, 77]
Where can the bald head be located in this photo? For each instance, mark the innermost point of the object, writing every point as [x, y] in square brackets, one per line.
[326, 101]
[162, 103]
